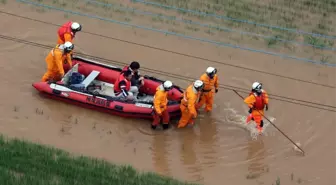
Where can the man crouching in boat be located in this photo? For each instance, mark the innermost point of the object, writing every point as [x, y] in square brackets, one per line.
[55, 59]
[188, 103]
[137, 81]
[257, 101]
[122, 86]
[160, 105]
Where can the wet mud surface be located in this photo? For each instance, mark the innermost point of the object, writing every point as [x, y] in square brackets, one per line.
[218, 149]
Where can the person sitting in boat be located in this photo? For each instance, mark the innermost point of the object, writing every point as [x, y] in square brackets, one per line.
[160, 105]
[137, 81]
[122, 86]
[55, 59]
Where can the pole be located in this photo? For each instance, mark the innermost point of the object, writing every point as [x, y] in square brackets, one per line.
[274, 125]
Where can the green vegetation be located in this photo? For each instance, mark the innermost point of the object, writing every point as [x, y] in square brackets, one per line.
[25, 163]
[308, 15]
[311, 15]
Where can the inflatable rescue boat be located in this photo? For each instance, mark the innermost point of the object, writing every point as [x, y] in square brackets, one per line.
[97, 91]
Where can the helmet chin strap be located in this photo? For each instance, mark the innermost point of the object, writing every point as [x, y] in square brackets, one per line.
[211, 75]
[256, 91]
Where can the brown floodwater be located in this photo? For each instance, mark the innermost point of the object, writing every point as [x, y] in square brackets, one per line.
[219, 149]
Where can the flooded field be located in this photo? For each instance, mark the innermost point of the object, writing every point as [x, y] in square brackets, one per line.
[219, 149]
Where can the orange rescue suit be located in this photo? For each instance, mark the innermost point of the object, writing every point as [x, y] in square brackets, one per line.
[65, 33]
[160, 106]
[55, 60]
[257, 103]
[188, 106]
[207, 95]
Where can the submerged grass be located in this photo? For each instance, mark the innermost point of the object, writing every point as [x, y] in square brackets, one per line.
[24, 163]
[309, 15]
[304, 15]
[288, 13]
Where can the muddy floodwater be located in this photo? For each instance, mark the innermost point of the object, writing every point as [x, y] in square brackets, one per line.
[219, 149]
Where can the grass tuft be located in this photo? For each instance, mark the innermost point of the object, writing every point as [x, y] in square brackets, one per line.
[277, 182]
[25, 163]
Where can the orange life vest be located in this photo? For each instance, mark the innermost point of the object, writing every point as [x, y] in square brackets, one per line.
[65, 28]
[259, 104]
[116, 84]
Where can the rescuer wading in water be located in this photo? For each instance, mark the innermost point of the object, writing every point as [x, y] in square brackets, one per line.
[257, 101]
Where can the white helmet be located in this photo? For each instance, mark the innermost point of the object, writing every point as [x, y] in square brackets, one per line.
[211, 71]
[75, 26]
[256, 86]
[198, 85]
[168, 85]
[68, 46]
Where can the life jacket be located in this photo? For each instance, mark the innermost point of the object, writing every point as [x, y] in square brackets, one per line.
[209, 83]
[116, 84]
[126, 68]
[259, 104]
[134, 74]
[65, 28]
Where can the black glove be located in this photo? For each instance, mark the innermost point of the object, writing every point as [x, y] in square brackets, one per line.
[216, 90]
[250, 111]
[266, 107]
[261, 123]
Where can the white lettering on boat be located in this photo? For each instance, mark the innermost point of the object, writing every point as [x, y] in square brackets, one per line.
[143, 105]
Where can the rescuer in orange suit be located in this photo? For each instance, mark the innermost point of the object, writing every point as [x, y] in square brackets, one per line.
[188, 103]
[257, 101]
[160, 105]
[210, 80]
[67, 32]
[55, 59]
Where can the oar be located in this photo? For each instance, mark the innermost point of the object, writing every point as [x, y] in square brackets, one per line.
[274, 126]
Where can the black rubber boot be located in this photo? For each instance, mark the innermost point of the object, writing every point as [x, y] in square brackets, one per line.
[153, 127]
[165, 126]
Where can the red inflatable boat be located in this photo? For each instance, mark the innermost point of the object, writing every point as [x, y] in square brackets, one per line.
[103, 98]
